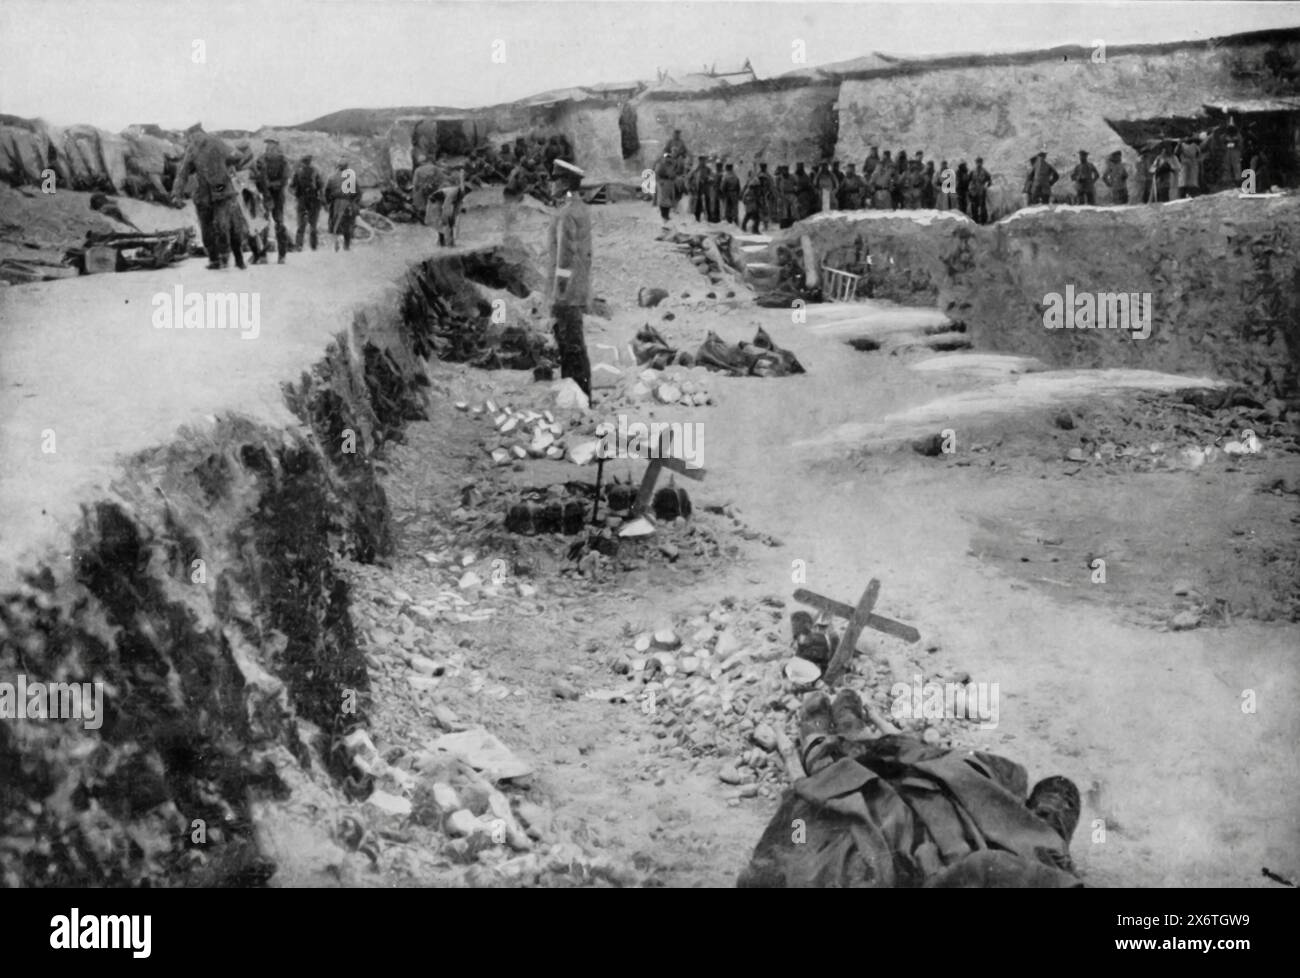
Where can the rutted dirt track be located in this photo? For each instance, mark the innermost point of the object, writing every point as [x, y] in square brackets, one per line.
[987, 551]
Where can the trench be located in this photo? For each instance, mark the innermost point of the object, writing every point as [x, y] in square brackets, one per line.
[205, 594]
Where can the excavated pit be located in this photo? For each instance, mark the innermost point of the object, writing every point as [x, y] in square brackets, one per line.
[1222, 272]
[204, 595]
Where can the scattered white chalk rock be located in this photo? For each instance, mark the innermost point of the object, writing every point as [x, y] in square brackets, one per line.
[389, 804]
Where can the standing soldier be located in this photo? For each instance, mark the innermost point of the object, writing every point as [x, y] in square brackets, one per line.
[343, 198]
[804, 192]
[207, 158]
[730, 190]
[882, 183]
[271, 171]
[869, 165]
[787, 200]
[963, 187]
[513, 194]
[930, 186]
[827, 184]
[1041, 177]
[1116, 178]
[1085, 180]
[944, 199]
[766, 196]
[697, 183]
[980, 181]
[714, 193]
[247, 225]
[749, 196]
[677, 152]
[1232, 142]
[850, 192]
[1189, 171]
[901, 169]
[425, 181]
[666, 186]
[448, 200]
[568, 274]
[1163, 170]
[309, 191]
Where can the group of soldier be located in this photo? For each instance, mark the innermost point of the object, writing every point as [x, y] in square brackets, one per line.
[239, 197]
[784, 196]
[1169, 170]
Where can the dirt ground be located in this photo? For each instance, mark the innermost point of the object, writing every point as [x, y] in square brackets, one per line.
[992, 559]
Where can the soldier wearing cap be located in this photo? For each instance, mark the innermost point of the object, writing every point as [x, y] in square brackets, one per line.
[271, 172]
[1116, 178]
[1041, 177]
[666, 186]
[309, 190]
[568, 274]
[207, 159]
[1085, 178]
[697, 185]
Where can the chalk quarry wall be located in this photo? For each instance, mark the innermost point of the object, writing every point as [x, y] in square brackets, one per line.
[1007, 113]
[777, 125]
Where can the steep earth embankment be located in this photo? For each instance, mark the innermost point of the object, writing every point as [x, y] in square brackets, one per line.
[201, 590]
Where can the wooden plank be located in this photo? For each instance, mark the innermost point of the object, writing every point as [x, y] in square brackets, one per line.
[876, 622]
[849, 641]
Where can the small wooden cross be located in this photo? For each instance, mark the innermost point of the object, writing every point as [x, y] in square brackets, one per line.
[859, 618]
[663, 460]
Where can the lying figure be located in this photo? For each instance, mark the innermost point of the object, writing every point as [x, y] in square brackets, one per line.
[893, 811]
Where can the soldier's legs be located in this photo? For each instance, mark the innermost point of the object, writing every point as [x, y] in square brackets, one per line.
[221, 223]
[574, 361]
[208, 233]
[302, 226]
[281, 232]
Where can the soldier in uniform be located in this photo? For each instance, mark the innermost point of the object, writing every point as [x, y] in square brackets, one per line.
[697, 184]
[207, 159]
[343, 197]
[766, 196]
[568, 274]
[980, 179]
[729, 188]
[271, 173]
[1085, 177]
[676, 151]
[851, 190]
[309, 190]
[666, 186]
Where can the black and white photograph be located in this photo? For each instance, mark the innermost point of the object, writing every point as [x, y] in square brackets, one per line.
[686, 445]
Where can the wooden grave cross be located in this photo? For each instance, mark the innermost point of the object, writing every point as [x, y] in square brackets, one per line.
[859, 618]
[663, 459]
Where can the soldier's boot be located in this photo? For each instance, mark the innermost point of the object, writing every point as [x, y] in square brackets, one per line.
[815, 725]
[1056, 801]
[850, 716]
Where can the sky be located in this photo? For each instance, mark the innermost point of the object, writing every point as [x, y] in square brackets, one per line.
[242, 65]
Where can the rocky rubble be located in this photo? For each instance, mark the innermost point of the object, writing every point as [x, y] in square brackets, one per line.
[439, 797]
[718, 688]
